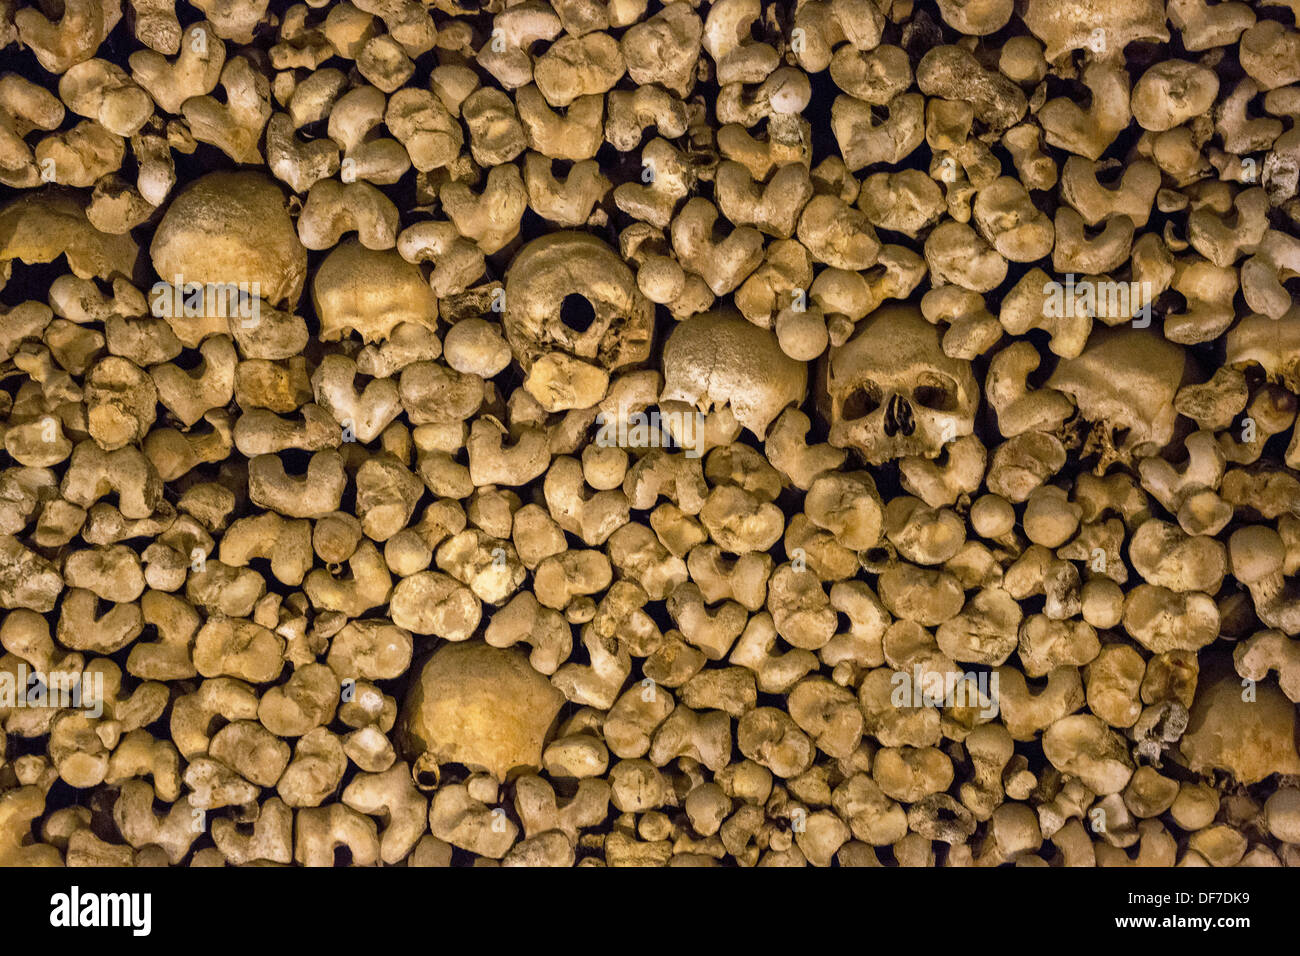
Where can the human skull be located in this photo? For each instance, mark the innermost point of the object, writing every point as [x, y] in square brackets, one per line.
[232, 227]
[891, 391]
[1124, 382]
[1249, 738]
[719, 358]
[1273, 344]
[573, 314]
[370, 292]
[480, 706]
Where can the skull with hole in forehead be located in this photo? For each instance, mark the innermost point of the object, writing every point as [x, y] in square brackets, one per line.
[892, 393]
[573, 315]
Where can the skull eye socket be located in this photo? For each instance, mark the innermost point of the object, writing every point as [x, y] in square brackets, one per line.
[935, 393]
[861, 402]
[577, 313]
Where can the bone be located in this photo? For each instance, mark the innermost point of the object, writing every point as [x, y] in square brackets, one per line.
[571, 434]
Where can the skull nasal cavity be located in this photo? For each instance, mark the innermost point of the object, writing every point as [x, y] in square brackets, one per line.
[576, 312]
[898, 417]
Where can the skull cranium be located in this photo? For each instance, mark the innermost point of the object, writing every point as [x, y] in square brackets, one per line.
[573, 314]
[480, 706]
[1273, 344]
[1124, 382]
[719, 358]
[893, 393]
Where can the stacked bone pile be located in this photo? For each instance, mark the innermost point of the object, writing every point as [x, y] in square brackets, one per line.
[340, 341]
